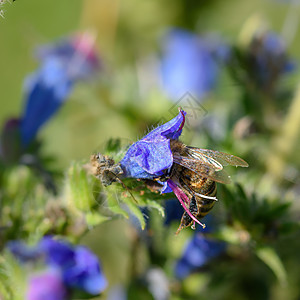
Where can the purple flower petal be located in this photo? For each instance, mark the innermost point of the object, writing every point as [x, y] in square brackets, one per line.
[46, 286]
[58, 253]
[85, 274]
[71, 267]
[79, 266]
[23, 252]
[151, 155]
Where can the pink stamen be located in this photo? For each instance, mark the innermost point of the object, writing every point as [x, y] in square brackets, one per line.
[84, 43]
[183, 199]
[182, 124]
[84, 51]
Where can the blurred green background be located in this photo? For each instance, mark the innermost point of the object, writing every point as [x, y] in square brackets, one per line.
[114, 106]
[126, 31]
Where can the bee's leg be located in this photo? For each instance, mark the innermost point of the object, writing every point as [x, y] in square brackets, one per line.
[183, 198]
[207, 197]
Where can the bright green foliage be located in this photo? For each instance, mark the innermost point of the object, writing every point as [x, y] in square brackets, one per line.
[249, 113]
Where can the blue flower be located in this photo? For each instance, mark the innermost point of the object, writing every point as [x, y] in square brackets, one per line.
[57, 253]
[198, 252]
[78, 267]
[117, 292]
[85, 274]
[62, 65]
[47, 285]
[188, 65]
[46, 91]
[23, 252]
[151, 155]
[77, 53]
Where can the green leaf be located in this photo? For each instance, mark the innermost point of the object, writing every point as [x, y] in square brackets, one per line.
[16, 276]
[135, 210]
[78, 191]
[4, 288]
[113, 201]
[156, 205]
[94, 218]
[273, 261]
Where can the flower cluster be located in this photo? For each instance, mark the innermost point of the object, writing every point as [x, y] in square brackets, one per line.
[61, 66]
[198, 252]
[65, 269]
[189, 64]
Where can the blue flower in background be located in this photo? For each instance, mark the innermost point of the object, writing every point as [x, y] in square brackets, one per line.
[198, 252]
[62, 65]
[85, 273]
[47, 285]
[173, 211]
[57, 253]
[23, 252]
[148, 157]
[188, 64]
[47, 90]
[78, 267]
[77, 53]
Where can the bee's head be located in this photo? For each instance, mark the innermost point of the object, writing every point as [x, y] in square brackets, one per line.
[104, 161]
[106, 169]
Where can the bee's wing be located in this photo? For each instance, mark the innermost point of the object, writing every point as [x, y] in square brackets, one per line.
[216, 157]
[202, 168]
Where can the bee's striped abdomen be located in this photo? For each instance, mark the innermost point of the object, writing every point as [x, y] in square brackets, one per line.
[195, 185]
[205, 205]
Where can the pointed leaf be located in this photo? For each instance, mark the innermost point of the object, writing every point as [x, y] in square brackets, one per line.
[135, 210]
[157, 206]
[94, 218]
[273, 261]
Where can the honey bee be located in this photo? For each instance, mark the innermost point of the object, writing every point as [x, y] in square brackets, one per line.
[105, 169]
[192, 177]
